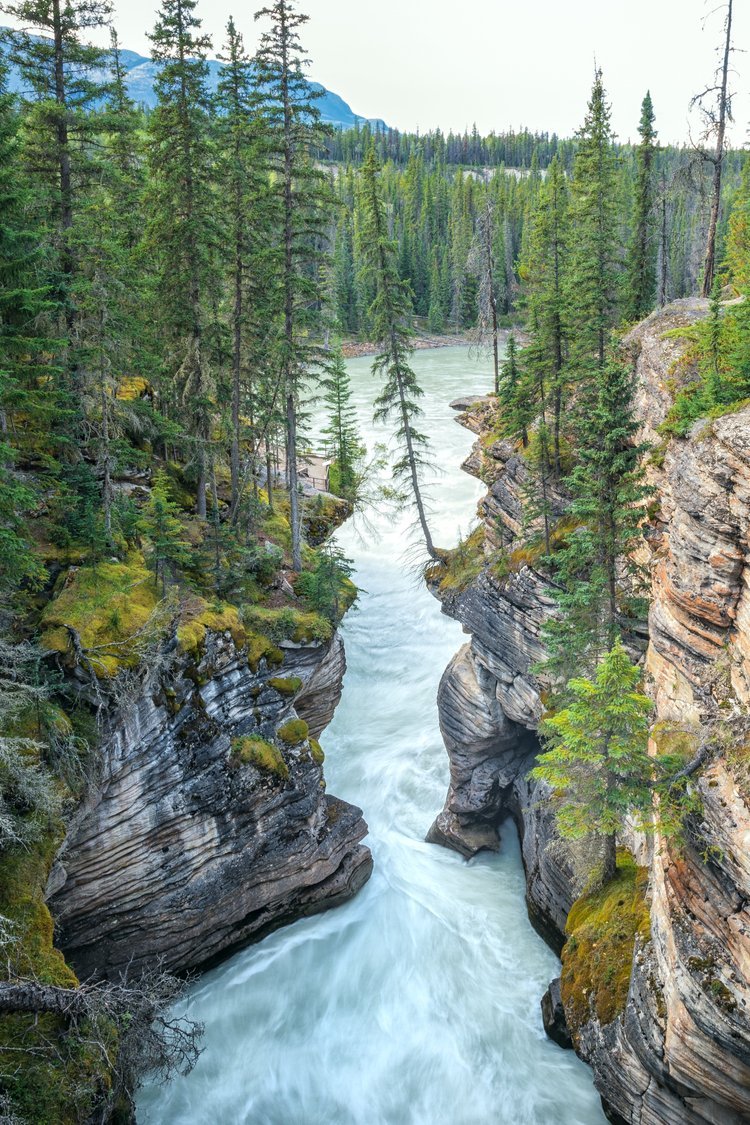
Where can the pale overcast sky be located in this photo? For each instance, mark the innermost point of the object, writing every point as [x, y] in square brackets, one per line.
[499, 63]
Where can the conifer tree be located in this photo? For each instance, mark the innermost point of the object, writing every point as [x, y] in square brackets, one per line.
[61, 74]
[593, 278]
[642, 253]
[608, 504]
[342, 438]
[169, 549]
[547, 295]
[483, 265]
[241, 169]
[598, 765]
[737, 258]
[389, 315]
[303, 198]
[180, 237]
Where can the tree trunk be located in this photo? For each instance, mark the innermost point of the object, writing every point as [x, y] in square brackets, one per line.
[709, 269]
[28, 996]
[664, 249]
[609, 865]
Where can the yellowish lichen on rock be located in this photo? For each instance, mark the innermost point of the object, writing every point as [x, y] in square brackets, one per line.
[201, 618]
[106, 605]
[285, 686]
[598, 956]
[294, 732]
[254, 751]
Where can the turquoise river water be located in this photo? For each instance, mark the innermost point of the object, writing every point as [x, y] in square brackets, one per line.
[418, 1002]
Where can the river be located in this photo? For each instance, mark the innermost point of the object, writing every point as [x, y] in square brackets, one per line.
[418, 1002]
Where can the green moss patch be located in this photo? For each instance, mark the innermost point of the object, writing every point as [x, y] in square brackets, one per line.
[106, 605]
[294, 732]
[598, 955]
[462, 565]
[51, 1075]
[284, 686]
[316, 752]
[253, 751]
[202, 618]
[260, 647]
[287, 624]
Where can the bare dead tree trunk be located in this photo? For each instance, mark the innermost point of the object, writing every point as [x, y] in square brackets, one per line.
[724, 113]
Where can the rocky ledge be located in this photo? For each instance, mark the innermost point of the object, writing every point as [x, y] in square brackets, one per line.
[675, 1048]
[210, 824]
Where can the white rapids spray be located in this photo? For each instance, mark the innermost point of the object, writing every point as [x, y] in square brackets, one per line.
[418, 1002]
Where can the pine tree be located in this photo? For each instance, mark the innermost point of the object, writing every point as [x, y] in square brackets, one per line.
[642, 253]
[544, 273]
[241, 174]
[342, 438]
[599, 766]
[483, 266]
[737, 258]
[168, 547]
[62, 78]
[304, 202]
[181, 234]
[593, 278]
[608, 505]
[389, 315]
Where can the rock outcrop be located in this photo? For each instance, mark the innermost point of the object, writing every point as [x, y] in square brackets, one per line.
[679, 1051]
[184, 849]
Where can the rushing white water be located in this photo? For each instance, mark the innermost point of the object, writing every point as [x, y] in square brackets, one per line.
[418, 1002]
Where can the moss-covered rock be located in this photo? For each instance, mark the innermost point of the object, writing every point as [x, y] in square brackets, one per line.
[287, 624]
[316, 752]
[51, 1073]
[598, 956]
[253, 751]
[285, 686]
[294, 732]
[106, 605]
[260, 647]
[202, 618]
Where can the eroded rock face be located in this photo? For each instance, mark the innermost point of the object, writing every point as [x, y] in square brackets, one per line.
[182, 852]
[680, 1052]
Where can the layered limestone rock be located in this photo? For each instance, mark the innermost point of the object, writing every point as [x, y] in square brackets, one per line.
[680, 1049]
[188, 847]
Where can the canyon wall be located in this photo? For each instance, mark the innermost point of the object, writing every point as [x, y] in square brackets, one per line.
[678, 1050]
[185, 848]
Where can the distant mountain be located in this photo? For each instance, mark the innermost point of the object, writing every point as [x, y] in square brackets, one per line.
[141, 73]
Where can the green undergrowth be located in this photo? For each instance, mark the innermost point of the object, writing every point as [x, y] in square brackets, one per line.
[598, 956]
[458, 568]
[51, 1074]
[254, 751]
[287, 624]
[201, 618]
[106, 605]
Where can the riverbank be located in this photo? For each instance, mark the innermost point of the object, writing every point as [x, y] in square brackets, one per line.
[354, 349]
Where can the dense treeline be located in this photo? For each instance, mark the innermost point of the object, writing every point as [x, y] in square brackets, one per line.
[438, 189]
[173, 288]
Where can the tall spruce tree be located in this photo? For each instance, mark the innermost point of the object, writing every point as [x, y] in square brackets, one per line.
[594, 275]
[484, 267]
[390, 318]
[642, 252]
[246, 221]
[181, 232]
[547, 296]
[597, 763]
[304, 200]
[342, 437]
[62, 78]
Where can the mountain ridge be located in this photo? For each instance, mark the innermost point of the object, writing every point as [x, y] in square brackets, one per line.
[141, 72]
